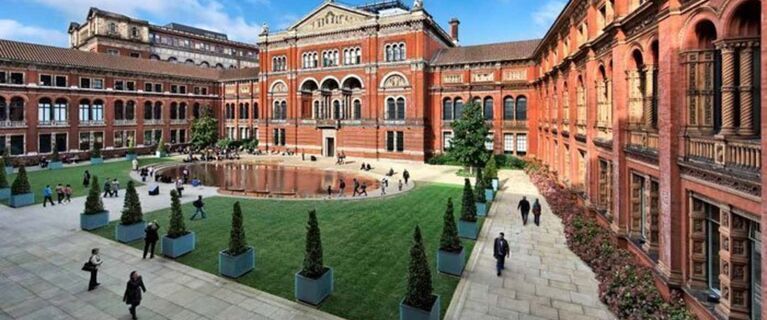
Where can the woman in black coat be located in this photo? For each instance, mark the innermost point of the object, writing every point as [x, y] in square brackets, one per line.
[133, 291]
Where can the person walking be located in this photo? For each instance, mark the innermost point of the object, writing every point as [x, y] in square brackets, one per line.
[59, 193]
[399, 186]
[406, 175]
[150, 238]
[341, 187]
[107, 188]
[383, 186]
[198, 204]
[86, 179]
[134, 163]
[47, 195]
[68, 193]
[537, 213]
[133, 289]
[115, 187]
[179, 186]
[95, 263]
[500, 252]
[524, 209]
[356, 187]
[364, 189]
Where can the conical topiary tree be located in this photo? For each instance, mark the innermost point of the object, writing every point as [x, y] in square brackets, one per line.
[313, 266]
[21, 184]
[93, 203]
[131, 213]
[177, 227]
[468, 209]
[449, 240]
[237, 242]
[3, 178]
[491, 171]
[419, 286]
[479, 188]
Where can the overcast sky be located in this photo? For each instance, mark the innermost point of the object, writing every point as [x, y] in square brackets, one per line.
[482, 21]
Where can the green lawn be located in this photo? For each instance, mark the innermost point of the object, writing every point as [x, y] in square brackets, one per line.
[74, 176]
[366, 242]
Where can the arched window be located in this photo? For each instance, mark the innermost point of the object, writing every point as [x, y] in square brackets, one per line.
[276, 110]
[158, 110]
[336, 109]
[85, 110]
[316, 109]
[97, 110]
[447, 109]
[391, 109]
[174, 110]
[182, 111]
[255, 110]
[458, 108]
[44, 110]
[130, 110]
[17, 109]
[508, 108]
[396, 53]
[172, 59]
[389, 53]
[402, 54]
[284, 110]
[3, 109]
[205, 64]
[357, 109]
[148, 110]
[357, 56]
[112, 27]
[196, 110]
[521, 108]
[60, 110]
[488, 108]
[189, 61]
[401, 109]
[119, 110]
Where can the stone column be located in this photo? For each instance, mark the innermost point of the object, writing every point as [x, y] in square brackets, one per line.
[649, 98]
[728, 90]
[746, 92]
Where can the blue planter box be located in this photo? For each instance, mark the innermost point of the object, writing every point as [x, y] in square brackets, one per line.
[495, 184]
[8, 170]
[53, 165]
[94, 221]
[236, 266]
[407, 312]
[489, 195]
[481, 209]
[467, 229]
[130, 156]
[451, 262]
[5, 193]
[130, 233]
[314, 291]
[98, 160]
[22, 200]
[174, 248]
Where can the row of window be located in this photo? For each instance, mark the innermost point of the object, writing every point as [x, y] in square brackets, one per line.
[229, 111]
[512, 143]
[61, 81]
[88, 140]
[513, 109]
[279, 63]
[331, 58]
[56, 111]
[197, 45]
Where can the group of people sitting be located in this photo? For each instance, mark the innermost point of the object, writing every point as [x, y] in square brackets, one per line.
[366, 167]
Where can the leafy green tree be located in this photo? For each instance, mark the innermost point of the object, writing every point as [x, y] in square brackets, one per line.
[469, 137]
[93, 203]
[449, 240]
[161, 147]
[238, 244]
[419, 286]
[313, 266]
[479, 188]
[204, 129]
[3, 178]
[491, 170]
[468, 209]
[177, 227]
[131, 213]
[21, 183]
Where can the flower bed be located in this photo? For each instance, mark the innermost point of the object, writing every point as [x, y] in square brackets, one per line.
[627, 287]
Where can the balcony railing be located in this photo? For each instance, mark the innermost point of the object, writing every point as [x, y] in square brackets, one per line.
[53, 123]
[643, 139]
[741, 154]
[92, 123]
[125, 122]
[182, 121]
[152, 122]
[13, 124]
[327, 123]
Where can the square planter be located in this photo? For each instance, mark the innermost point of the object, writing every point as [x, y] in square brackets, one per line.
[467, 229]
[495, 184]
[22, 200]
[130, 156]
[236, 266]
[407, 312]
[314, 291]
[53, 165]
[98, 160]
[174, 248]
[481, 209]
[5, 193]
[94, 221]
[130, 233]
[489, 195]
[451, 262]
[160, 154]
[8, 170]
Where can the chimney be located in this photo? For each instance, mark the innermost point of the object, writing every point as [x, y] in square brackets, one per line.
[454, 29]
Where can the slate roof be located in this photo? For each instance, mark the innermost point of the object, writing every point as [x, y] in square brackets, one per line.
[504, 51]
[239, 74]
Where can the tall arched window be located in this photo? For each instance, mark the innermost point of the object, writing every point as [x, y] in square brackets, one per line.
[357, 110]
[98, 110]
[255, 110]
[521, 108]
[508, 108]
[85, 110]
[148, 110]
[458, 108]
[3, 109]
[17, 109]
[389, 53]
[174, 110]
[276, 111]
[196, 110]
[316, 109]
[391, 109]
[488, 108]
[401, 109]
[44, 110]
[60, 110]
[158, 110]
[447, 109]
[336, 109]
[119, 110]
[130, 110]
[284, 110]
[182, 111]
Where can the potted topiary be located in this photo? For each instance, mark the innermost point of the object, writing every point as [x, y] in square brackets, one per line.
[314, 282]
[178, 241]
[467, 224]
[8, 163]
[132, 224]
[491, 174]
[161, 152]
[239, 258]
[21, 191]
[479, 195]
[96, 156]
[450, 256]
[5, 189]
[131, 153]
[55, 160]
[94, 216]
[419, 302]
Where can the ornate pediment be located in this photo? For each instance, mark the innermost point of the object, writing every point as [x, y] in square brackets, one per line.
[330, 16]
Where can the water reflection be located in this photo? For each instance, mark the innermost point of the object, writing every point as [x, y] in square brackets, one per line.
[260, 179]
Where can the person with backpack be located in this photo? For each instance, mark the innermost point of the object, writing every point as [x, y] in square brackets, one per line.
[107, 188]
[537, 213]
[198, 205]
[406, 175]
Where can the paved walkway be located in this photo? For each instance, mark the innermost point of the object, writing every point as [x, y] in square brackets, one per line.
[543, 278]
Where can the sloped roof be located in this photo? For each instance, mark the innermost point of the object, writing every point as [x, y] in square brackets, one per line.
[239, 74]
[55, 56]
[504, 51]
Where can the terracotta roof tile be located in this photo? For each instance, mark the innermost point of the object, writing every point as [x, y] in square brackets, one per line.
[47, 55]
[504, 51]
[239, 74]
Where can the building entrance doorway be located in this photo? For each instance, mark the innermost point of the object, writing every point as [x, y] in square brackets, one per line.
[330, 146]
